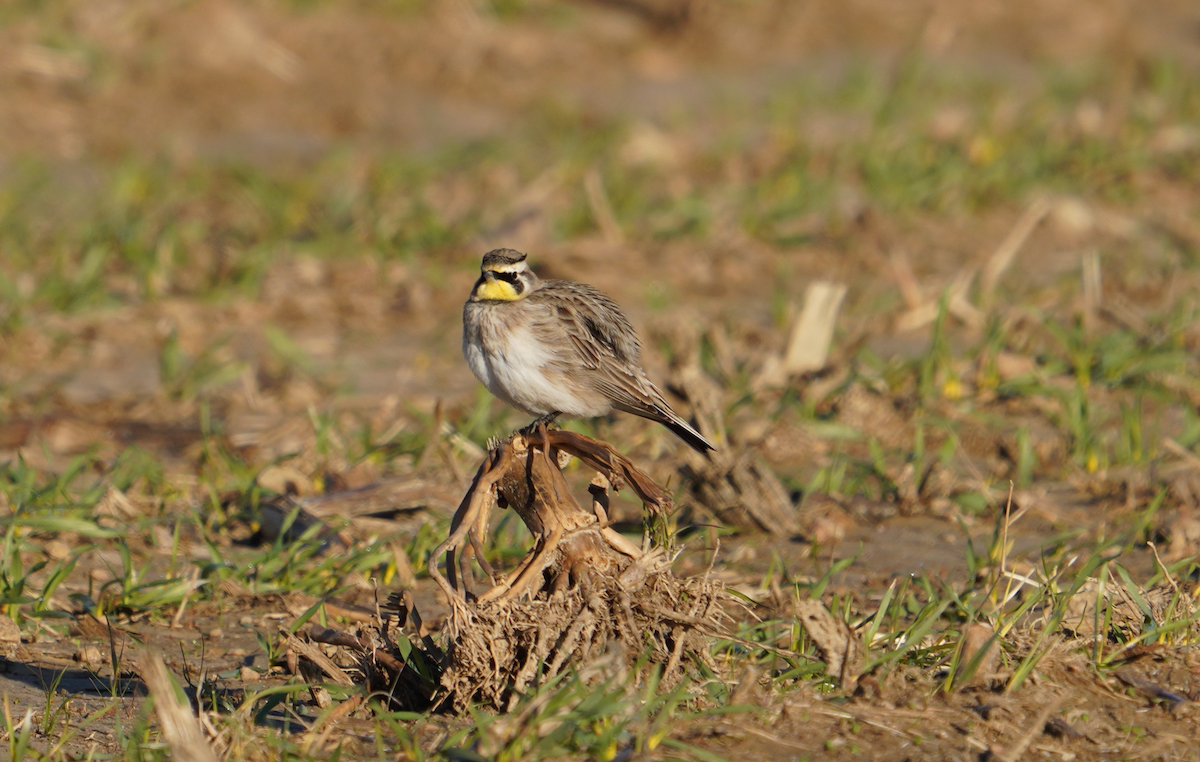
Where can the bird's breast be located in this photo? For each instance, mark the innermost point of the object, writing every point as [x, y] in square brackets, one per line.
[517, 365]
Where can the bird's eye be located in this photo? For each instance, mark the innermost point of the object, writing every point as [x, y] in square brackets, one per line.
[511, 278]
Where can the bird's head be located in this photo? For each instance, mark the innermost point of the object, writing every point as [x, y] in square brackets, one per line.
[503, 277]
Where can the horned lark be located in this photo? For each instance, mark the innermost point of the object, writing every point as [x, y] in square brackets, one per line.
[555, 347]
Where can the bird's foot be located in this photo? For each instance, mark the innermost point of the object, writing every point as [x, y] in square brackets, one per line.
[546, 421]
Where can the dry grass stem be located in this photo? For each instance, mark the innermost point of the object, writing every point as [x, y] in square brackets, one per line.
[1092, 290]
[179, 724]
[812, 334]
[602, 211]
[1002, 258]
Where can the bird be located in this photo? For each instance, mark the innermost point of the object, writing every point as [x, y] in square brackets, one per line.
[557, 347]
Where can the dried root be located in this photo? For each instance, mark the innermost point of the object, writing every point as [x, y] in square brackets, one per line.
[507, 647]
[582, 592]
[400, 671]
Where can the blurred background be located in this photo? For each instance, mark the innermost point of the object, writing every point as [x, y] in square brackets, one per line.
[927, 271]
[260, 219]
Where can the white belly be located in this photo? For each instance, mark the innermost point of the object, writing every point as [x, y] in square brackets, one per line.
[514, 368]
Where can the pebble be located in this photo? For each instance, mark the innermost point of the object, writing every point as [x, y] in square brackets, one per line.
[89, 655]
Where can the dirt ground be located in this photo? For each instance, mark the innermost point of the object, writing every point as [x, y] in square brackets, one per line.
[284, 86]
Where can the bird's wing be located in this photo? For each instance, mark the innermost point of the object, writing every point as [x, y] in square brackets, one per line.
[598, 346]
[586, 325]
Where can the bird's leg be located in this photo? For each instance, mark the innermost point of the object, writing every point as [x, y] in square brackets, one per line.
[544, 420]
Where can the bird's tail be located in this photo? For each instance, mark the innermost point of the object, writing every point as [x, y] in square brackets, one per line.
[693, 438]
[677, 426]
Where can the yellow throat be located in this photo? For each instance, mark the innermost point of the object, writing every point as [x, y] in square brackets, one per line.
[496, 290]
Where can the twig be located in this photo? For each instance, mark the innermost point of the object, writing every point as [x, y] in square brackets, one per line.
[1004, 539]
[602, 210]
[490, 471]
[193, 585]
[435, 435]
[859, 718]
[334, 637]
[1188, 456]
[1148, 689]
[1004, 254]
[323, 662]
[338, 713]
[773, 738]
[906, 281]
[616, 467]
[1161, 565]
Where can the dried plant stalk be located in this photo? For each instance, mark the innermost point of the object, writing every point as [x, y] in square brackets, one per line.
[179, 724]
[580, 589]
[583, 595]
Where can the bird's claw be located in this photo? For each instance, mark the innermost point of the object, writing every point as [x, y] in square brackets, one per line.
[546, 420]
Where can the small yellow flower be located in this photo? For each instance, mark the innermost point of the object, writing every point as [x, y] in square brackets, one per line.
[653, 741]
[608, 752]
[982, 150]
[952, 389]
